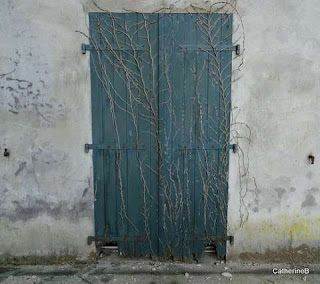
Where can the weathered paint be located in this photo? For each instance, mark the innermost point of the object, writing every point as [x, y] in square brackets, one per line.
[180, 138]
[46, 195]
[46, 119]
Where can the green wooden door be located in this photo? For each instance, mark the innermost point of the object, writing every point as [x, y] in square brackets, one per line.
[160, 111]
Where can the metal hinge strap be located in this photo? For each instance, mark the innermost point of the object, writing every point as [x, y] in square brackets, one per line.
[233, 147]
[89, 47]
[214, 239]
[127, 146]
[87, 147]
[189, 47]
[183, 47]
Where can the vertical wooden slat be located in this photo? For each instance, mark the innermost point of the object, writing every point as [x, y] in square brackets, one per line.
[109, 158]
[225, 106]
[97, 127]
[152, 142]
[161, 198]
[201, 151]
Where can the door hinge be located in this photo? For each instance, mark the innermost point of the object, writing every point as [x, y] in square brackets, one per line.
[233, 147]
[237, 49]
[87, 147]
[85, 47]
[93, 239]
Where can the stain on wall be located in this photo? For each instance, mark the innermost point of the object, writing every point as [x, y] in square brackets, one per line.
[45, 121]
[21, 95]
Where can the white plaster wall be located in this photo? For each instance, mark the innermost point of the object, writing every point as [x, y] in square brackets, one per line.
[278, 97]
[46, 202]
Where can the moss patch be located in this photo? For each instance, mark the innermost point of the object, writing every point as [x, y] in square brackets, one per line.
[300, 254]
[46, 260]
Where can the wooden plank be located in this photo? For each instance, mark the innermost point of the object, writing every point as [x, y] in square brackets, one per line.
[201, 153]
[225, 107]
[152, 162]
[147, 116]
[97, 131]
[163, 23]
[109, 156]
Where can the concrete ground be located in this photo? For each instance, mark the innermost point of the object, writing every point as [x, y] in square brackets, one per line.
[120, 270]
[165, 279]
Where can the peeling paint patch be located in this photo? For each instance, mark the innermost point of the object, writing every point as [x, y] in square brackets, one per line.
[280, 191]
[310, 201]
[309, 175]
[85, 191]
[314, 189]
[22, 166]
[21, 95]
[31, 207]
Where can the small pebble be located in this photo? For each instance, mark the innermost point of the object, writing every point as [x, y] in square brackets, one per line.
[226, 274]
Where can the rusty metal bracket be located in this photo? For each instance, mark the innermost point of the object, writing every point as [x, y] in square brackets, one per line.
[126, 146]
[233, 147]
[90, 47]
[109, 239]
[214, 239]
[237, 49]
[86, 148]
[90, 240]
[208, 48]
[85, 47]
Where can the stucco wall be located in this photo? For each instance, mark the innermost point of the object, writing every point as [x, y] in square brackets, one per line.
[46, 200]
[278, 99]
[46, 194]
